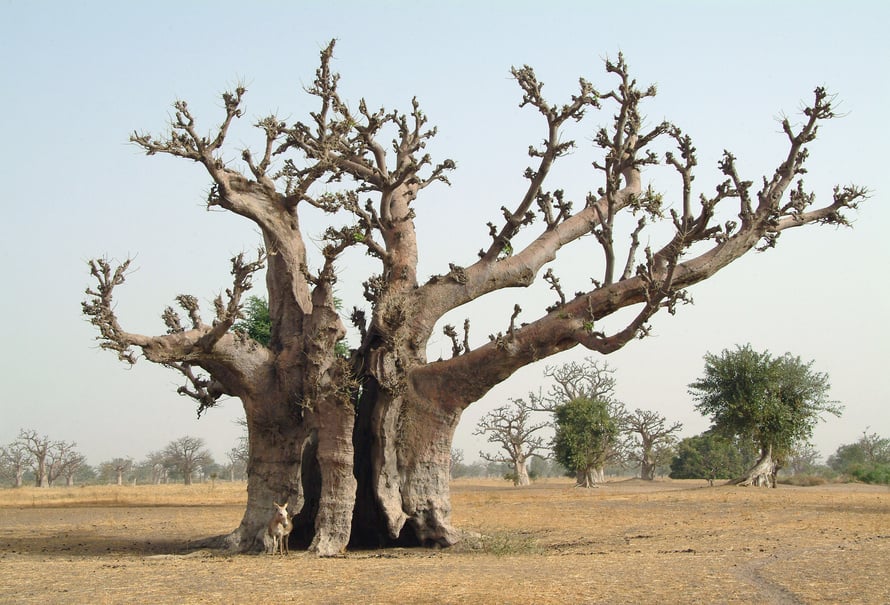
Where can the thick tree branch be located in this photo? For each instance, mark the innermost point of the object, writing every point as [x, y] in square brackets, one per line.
[231, 359]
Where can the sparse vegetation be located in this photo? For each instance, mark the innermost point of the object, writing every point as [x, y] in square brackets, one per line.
[803, 480]
[867, 460]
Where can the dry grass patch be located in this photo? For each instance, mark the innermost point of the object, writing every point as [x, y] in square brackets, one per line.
[127, 495]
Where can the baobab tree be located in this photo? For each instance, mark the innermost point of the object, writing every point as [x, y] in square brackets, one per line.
[586, 438]
[63, 461]
[187, 455]
[586, 417]
[511, 428]
[114, 469]
[14, 461]
[74, 464]
[238, 458]
[38, 447]
[650, 440]
[363, 441]
[590, 378]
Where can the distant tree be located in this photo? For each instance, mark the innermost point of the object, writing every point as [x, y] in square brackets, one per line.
[651, 440]
[545, 467]
[155, 468]
[67, 463]
[457, 462]
[802, 459]
[588, 379]
[868, 459]
[875, 448]
[113, 470]
[237, 458]
[38, 447]
[773, 401]
[711, 456]
[585, 438]
[187, 455]
[510, 427]
[15, 459]
[62, 460]
[85, 474]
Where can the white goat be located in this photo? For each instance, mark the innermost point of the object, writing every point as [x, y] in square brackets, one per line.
[278, 531]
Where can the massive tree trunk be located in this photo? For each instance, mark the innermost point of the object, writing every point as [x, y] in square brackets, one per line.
[763, 473]
[360, 448]
[647, 467]
[592, 476]
[520, 473]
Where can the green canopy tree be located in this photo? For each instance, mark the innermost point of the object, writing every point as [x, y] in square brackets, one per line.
[257, 322]
[711, 456]
[586, 435]
[775, 402]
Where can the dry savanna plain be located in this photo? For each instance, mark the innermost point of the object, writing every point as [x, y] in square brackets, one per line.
[626, 542]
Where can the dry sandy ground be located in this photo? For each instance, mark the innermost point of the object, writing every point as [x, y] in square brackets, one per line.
[627, 542]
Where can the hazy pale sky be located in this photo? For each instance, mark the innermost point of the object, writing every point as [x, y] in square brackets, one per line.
[80, 77]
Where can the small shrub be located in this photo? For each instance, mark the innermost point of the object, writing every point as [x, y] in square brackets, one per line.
[879, 473]
[508, 543]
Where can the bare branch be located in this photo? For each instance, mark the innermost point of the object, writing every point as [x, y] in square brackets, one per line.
[587, 379]
[516, 311]
[451, 332]
[551, 279]
[204, 390]
[99, 308]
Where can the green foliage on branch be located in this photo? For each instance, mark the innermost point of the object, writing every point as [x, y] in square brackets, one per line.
[257, 323]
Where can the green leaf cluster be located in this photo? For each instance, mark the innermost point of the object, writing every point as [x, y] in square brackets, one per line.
[257, 323]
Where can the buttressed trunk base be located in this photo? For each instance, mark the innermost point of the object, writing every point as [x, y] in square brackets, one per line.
[763, 473]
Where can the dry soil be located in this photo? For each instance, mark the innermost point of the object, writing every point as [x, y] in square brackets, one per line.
[627, 542]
